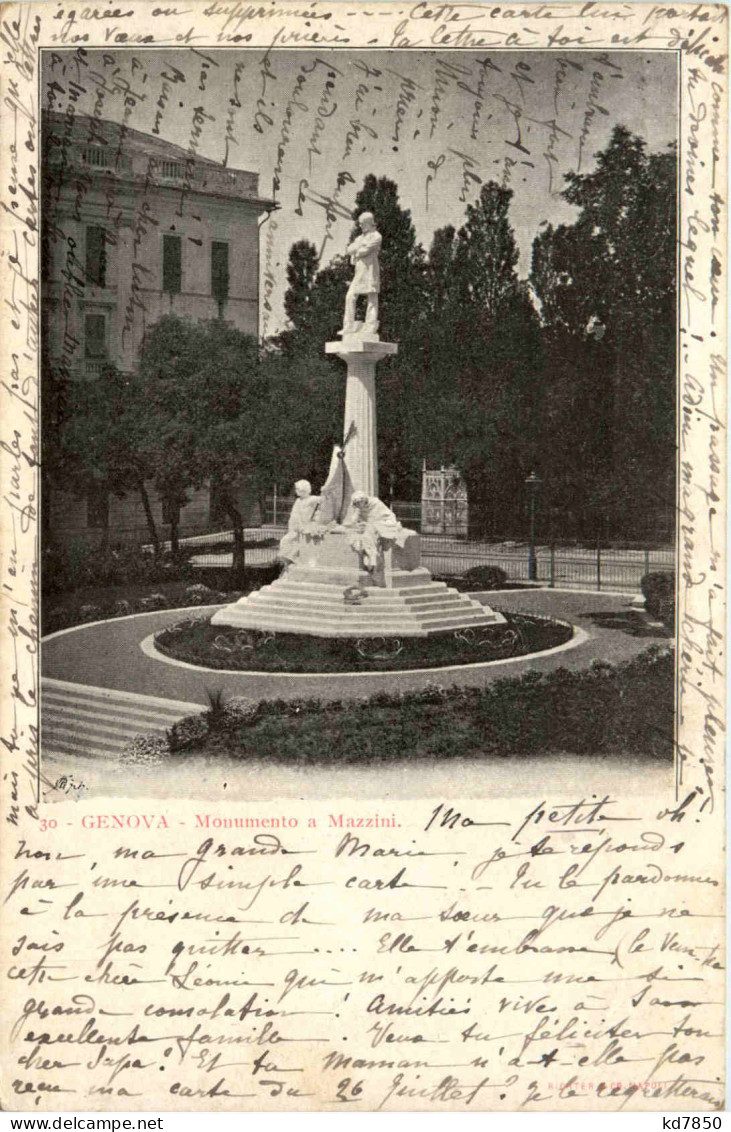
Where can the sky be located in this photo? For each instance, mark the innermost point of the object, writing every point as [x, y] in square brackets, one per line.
[440, 124]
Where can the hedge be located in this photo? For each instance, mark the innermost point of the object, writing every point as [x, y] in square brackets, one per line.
[603, 710]
[658, 589]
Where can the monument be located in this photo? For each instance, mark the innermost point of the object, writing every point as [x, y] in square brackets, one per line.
[350, 568]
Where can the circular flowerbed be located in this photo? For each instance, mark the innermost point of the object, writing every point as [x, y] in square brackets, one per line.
[211, 646]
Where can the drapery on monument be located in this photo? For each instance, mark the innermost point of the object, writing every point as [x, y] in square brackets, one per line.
[347, 538]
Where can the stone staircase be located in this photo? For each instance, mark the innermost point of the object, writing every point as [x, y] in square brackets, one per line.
[97, 723]
[321, 610]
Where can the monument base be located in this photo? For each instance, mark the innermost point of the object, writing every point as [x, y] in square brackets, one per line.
[329, 593]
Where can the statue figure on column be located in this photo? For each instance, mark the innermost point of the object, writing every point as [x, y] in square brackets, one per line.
[363, 252]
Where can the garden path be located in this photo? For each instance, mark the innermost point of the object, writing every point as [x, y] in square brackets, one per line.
[108, 654]
[104, 664]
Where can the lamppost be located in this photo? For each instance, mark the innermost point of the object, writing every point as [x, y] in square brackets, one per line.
[532, 483]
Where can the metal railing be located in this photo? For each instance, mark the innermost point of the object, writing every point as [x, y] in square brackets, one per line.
[560, 565]
[557, 566]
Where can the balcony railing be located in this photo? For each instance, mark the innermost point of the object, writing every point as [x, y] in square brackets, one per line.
[108, 161]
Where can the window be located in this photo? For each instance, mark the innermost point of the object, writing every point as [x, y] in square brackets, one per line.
[171, 264]
[219, 270]
[97, 507]
[95, 337]
[96, 155]
[96, 256]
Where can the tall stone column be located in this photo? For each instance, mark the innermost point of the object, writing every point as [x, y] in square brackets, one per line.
[312, 596]
[361, 356]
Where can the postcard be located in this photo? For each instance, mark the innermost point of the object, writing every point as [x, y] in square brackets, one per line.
[363, 556]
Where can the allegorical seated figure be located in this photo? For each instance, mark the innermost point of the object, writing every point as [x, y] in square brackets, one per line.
[300, 518]
[372, 522]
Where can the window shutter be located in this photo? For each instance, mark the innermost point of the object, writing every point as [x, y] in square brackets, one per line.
[95, 336]
[172, 264]
[96, 256]
[219, 270]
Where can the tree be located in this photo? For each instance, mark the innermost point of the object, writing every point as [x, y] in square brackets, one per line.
[301, 272]
[100, 441]
[307, 394]
[606, 286]
[207, 415]
[310, 386]
[486, 256]
[483, 358]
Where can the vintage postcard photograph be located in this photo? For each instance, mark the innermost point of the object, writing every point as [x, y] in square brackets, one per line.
[359, 418]
[364, 534]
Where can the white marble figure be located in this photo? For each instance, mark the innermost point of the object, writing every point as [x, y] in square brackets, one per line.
[300, 518]
[363, 252]
[372, 521]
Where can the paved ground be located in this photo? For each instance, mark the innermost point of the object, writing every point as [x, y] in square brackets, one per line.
[108, 655]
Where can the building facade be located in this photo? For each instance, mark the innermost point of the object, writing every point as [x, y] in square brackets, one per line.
[135, 228]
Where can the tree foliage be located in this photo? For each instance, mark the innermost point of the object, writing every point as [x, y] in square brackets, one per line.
[98, 441]
[207, 402]
[606, 286]
[570, 373]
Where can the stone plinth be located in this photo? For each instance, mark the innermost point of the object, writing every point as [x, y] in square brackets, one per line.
[400, 597]
[361, 355]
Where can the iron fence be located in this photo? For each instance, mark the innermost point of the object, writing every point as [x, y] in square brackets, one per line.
[557, 566]
[562, 565]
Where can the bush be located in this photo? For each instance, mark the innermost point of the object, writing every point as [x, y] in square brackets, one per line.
[154, 601]
[90, 613]
[199, 594]
[147, 750]
[239, 712]
[99, 603]
[658, 589]
[67, 568]
[188, 733]
[606, 709]
[485, 577]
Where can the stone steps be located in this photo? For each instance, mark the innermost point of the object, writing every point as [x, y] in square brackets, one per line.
[276, 599]
[417, 596]
[300, 616]
[310, 596]
[87, 722]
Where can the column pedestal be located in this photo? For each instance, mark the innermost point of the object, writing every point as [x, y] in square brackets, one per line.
[328, 592]
[361, 355]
